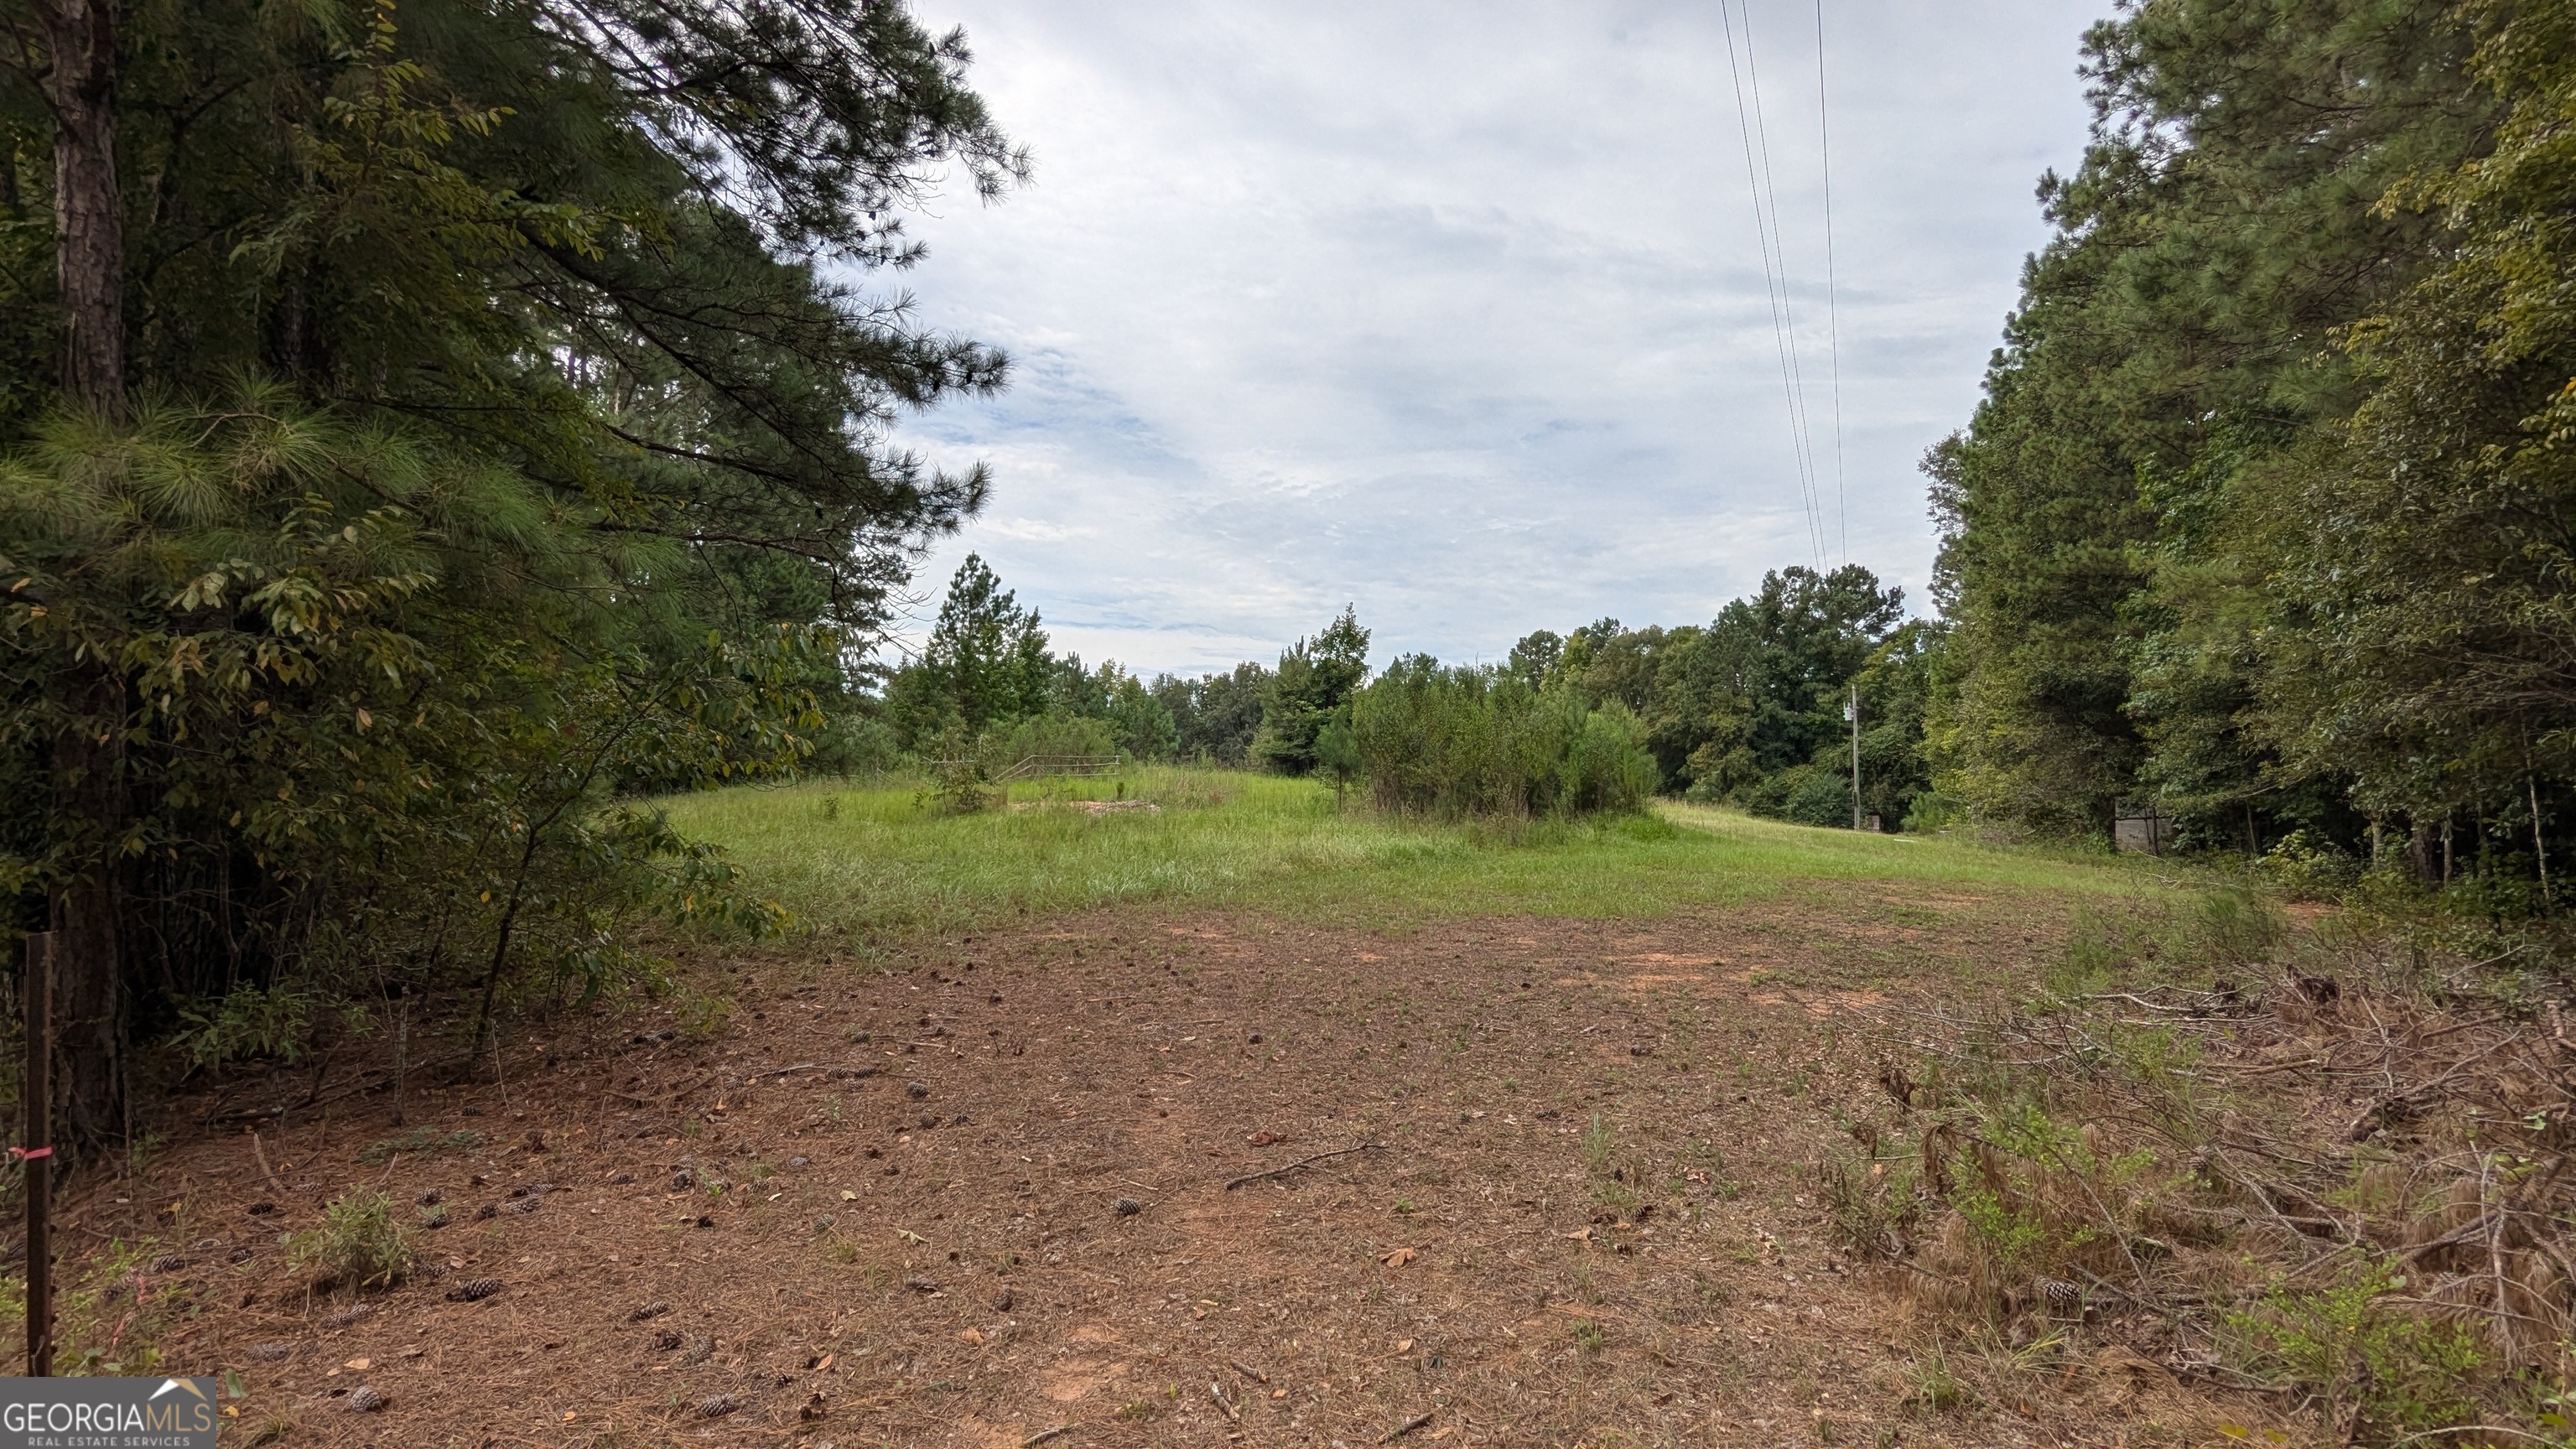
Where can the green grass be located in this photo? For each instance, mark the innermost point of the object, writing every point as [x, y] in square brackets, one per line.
[877, 861]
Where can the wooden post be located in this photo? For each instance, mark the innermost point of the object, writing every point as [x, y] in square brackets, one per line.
[38, 1153]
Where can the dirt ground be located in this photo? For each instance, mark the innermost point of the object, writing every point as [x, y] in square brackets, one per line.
[1040, 1187]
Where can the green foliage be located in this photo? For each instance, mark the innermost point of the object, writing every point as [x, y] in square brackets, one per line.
[360, 1243]
[1460, 741]
[1215, 717]
[1315, 680]
[419, 1141]
[986, 663]
[247, 1023]
[2360, 1347]
[1749, 710]
[325, 714]
[501, 442]
[2253, 523]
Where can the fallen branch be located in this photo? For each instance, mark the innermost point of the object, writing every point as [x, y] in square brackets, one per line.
[1303, 1162]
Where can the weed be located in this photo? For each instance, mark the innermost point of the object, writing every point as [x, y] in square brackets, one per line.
[419, 1142]
[1873, 1211]
[1598, 1144]
[1932, 1386]
[702, 1015]
[359, 1243]
[1589, 1337]
[2363, 1353]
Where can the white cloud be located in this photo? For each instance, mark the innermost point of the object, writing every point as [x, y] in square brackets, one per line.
[1455, 311]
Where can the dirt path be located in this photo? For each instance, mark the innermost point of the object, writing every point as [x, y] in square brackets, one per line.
[986, 1197]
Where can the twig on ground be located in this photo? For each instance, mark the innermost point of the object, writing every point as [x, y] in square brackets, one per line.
[1407, 1427]
[1216, 1391]
[1044, 1435]
[1303, 1162]
[1247, 1370]
[265, 1170]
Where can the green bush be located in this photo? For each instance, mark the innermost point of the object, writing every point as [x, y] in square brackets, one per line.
[359, 1243]
[1459, 741]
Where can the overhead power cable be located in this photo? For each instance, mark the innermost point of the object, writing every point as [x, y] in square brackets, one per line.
[1756, 138]
[1833, 318]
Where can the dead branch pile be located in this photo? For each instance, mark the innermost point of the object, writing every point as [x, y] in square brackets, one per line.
[2334, 1182]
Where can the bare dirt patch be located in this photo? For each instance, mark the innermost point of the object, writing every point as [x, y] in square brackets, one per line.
[986, 1196]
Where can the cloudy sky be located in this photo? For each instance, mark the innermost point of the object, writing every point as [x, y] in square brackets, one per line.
[1459, 312]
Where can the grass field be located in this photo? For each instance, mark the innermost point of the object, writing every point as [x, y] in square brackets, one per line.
[879, 861]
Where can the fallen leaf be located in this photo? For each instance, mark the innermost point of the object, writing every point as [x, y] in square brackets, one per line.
[1579, 1234]
[826, 1363]
[360, 1364]
[848, 1196]
[970, 1335]
[1404, 1345]
[1398, 1258]
[1264, 1139]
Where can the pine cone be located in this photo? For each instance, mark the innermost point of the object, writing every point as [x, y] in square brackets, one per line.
[271, 1352]
[718, 1406]
[648, 1312]
[348, 1315]
[473, 1290]
[366, 1400]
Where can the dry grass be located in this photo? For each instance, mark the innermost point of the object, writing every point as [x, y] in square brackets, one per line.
[2315, 1172]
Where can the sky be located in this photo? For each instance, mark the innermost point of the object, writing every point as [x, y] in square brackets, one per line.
[1459, 312]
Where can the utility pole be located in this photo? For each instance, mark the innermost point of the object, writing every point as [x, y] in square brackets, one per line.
[1851, 711]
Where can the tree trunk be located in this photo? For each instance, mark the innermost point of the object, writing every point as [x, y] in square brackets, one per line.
[89, 995]
[89, 756]
[89, 211]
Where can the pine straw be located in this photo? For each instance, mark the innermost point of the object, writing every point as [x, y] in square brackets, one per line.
[2245, 1151]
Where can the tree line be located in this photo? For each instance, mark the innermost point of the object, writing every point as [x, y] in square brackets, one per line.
[2264, 522]
[1748, 709]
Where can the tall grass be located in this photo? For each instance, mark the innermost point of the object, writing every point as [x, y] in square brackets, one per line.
[876, 860]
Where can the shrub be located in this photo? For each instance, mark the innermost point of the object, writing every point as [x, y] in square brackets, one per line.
[359, 1243]
[1454, 741]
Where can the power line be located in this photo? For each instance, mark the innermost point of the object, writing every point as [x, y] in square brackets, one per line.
[1806, 431]
[1774, 269]
[1833, 318]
